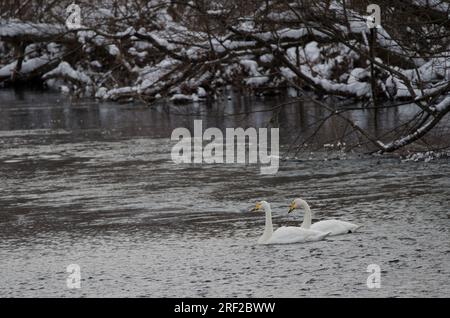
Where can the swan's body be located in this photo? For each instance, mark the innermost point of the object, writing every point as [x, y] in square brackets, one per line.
[293, 234]
[334, 227]
[285, 234]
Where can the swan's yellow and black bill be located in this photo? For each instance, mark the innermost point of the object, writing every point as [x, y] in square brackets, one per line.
[292, 207]
[256, 208]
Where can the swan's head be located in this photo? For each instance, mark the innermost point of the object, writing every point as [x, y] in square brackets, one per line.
[261, 206]
[297, 204]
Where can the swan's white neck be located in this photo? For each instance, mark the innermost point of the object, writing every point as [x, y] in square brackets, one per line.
[307, 217]
[268, 230]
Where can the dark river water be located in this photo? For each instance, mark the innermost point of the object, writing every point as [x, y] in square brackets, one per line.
[94, 185]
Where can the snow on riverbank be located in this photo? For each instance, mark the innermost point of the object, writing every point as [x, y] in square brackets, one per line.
[112, 60]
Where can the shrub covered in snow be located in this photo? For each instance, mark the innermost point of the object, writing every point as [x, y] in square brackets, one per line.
[161, 48]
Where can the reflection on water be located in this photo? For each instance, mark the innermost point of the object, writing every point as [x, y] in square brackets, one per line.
[88, 119]
[94, 185]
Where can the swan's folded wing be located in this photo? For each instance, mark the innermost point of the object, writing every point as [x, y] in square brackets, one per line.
[335, 227]
[293, 234]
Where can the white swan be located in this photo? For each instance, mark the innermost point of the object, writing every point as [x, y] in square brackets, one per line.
[334, 227]
[284, 234]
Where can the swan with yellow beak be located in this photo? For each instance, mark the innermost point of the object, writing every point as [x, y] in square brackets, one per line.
[334, 227]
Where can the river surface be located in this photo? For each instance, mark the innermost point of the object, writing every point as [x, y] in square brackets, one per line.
[94, 185]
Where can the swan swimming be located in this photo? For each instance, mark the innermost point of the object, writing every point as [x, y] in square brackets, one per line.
[334, 227]
[284, 234]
